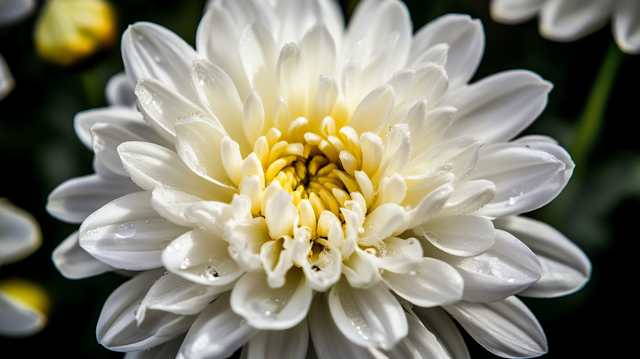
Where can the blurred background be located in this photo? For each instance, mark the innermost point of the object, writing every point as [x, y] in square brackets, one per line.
[598, 209]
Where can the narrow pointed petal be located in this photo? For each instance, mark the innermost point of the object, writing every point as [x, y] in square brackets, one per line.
[150, 166]
[435, 283]
[277, 344]
[19, 233]
[281, 215]
[73, 262]
[7, 82]
[465, 38]
[153, 51]
[439, 322]
[507, 268]
[127, 233]
[368, 317]
[498, 107]
[272, 308]
[117, 329]
[374, 110]
[327, 339]
[217, 332]
[506, 328]
[565, 267]
[77, 198]
[202, 258]
[259, 54]
[462, 236]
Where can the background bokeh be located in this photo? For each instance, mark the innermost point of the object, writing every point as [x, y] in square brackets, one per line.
[598, 210]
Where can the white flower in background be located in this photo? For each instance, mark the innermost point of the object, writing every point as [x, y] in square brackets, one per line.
[569, 20]
[21, 303]
[11, 12]
[293, 183]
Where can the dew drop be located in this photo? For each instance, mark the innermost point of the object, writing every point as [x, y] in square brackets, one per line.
[126, 230]
[211, 274]
[360, 230]
[176, 246]
[185, 263]
[143, 96]
[266, 307]
[411, 241]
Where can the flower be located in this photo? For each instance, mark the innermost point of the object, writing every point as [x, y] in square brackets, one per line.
[22, 304]
[11, 12]
[569, 20]
[291, 182]
[68, 31]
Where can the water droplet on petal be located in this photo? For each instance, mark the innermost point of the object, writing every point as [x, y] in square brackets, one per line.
[126, 230]
[185, 263]
[211, 274]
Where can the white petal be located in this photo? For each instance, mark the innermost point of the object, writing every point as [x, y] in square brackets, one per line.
[462, 236]
[117, 328]
[360, 269]
[198, 142]
[272, 308]
[217, 332]
[382, 223]
[7, 82]
[569, 20]
[74, 262]
[438, 322]
[507, 268]
[397, 153]
[12, 11]
[419, 343]
[246, 237]
[625, 26]
[118, 116]
[18, 319]
[318, 49]
[465, 38]
[151, 165]
[459, 156]
[328, 341]
[434, 283]
[399, 255]
[106, 137]
[166, 350]
[77, 198]
[525, 178]
[514, 12]
[174, 294]
[374, 110]
[430, 206]
[19, 233]
[217, 91]
[298, 17]
[119, 91]
[565, 267]
[375, 20]
[368, 317]
[258, 53]
[292, 78]
[201, 257]
[253, 117]
[153, 51]
[431, 83]
[217, 41]
[497, 107]
[506, 328]
[469, 197]
[127, 233]
[163, 106]
[281, 215]
[278, 344]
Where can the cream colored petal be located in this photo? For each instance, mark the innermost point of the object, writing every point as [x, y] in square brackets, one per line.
[462, 236]
[514, 11]
[360, 269]
[382, 223]
[201, 257]
[259, 55]
[272, 308]
[469, 196]
[430, 206]
[374, 110]
[569, 20]
[281, 215]
[459, 156]
[399, 255]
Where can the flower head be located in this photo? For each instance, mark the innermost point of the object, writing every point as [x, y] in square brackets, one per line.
[569, 20]
[293, 180]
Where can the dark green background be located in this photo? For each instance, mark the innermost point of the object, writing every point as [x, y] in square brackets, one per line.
[39, 150]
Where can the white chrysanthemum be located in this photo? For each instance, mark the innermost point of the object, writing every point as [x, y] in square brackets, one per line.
[569, 20]
[291, 182]
[11, 12]
[19, 237]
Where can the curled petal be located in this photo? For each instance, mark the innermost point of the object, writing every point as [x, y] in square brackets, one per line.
[462, 236]
[73, 262]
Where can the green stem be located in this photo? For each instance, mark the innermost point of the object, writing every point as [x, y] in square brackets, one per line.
[595, 108]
